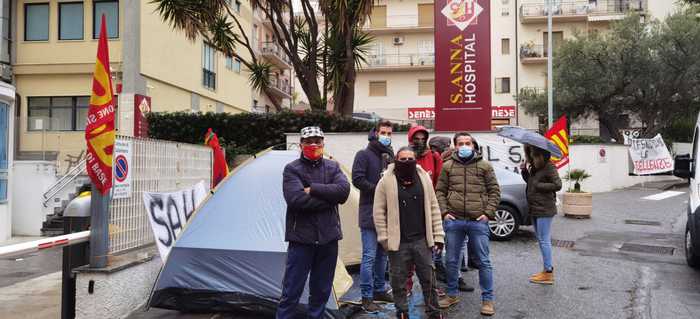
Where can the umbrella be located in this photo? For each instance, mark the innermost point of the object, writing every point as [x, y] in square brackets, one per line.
[524, 136]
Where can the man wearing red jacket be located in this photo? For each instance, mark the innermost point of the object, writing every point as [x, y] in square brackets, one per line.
[430, 161]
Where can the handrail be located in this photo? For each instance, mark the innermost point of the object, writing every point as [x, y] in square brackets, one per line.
[60, 184]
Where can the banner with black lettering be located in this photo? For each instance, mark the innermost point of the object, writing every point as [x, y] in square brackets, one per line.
[169, 213]
[650, 155]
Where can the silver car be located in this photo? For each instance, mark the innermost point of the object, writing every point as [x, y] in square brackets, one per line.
[513, 211]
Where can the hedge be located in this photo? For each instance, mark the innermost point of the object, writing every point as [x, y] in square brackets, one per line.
[248, 133]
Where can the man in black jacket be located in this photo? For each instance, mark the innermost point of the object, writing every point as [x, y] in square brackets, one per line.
[313, 187]
[367, 169]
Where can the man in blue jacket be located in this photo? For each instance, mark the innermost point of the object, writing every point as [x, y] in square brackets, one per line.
[313, 187]
[367, 169]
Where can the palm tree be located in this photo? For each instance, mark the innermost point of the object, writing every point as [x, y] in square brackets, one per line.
[296, 32]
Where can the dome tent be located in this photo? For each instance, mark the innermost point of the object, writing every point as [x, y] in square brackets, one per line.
[231, 255]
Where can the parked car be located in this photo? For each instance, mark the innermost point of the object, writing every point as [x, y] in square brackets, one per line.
[513, 211]
[366, 116]
[686, 167]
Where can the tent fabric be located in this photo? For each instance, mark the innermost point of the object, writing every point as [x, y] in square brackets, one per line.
[231, 255]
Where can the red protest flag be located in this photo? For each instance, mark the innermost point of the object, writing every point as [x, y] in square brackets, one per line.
[220, 170]
[559, 135]
[99, 129]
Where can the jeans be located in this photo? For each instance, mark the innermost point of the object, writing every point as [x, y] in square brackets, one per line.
[418, 255]
[478, 234]
[373, 266]
[302, 259]
[543, 229]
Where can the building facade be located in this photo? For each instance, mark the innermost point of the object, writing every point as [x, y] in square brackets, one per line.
[54, 56]
[397, 82]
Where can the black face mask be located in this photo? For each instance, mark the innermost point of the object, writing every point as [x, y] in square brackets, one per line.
[405, 171]
[419, 147]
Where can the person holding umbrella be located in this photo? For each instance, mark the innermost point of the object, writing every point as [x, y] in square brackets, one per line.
[543, 183]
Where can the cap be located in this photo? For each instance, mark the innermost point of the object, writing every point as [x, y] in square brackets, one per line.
[311, 131]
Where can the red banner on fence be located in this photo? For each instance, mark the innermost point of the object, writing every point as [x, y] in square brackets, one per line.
[462, 65]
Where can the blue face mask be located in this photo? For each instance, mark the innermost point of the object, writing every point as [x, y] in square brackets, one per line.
[465, 151]
[385, 140]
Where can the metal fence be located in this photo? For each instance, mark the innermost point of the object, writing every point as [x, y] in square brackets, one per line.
[156, 166]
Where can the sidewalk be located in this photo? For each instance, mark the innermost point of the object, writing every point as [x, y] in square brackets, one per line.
[38, 298]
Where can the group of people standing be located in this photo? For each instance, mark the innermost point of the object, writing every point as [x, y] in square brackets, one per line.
[414, 204]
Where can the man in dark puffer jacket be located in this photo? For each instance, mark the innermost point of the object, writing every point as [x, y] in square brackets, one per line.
[313, 187]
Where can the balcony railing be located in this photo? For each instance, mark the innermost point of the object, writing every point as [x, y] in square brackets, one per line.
[532, 51]
[532, 90]
[400, 60]
[282, 86]
[272, 49]
[399, 22]
[581, 8]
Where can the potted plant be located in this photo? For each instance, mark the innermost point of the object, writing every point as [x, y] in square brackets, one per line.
[577, 203]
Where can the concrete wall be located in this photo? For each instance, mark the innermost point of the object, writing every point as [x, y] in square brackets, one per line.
[116, 293]
[608, 174]
[28, 210]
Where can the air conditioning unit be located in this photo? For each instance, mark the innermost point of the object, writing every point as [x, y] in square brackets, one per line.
[398, 40]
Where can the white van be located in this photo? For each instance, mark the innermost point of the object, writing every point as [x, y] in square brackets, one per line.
[686, 166]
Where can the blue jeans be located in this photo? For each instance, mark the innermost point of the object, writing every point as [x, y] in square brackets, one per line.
[543, 229]
[478, 234]
[373, 266]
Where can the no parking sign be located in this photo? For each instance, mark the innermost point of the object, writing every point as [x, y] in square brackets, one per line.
[122, 169]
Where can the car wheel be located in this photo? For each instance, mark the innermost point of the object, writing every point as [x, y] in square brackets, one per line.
[505, 224]
[691, 252]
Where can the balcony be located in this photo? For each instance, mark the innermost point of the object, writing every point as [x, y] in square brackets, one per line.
[580, 11]
[273, 53]
[399, 23]
[533, 54]
[399, 62]
[280, 88]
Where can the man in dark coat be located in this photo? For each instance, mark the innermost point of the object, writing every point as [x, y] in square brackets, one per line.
[313, 187]
[367, 169]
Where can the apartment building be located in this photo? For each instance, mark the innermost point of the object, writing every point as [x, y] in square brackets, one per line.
[281, 77]
[54, 57]
[398, 83]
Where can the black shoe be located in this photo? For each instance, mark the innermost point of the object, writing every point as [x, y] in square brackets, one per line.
[384, 297]
[464, 268]
[369, 306]
[464, 287]
[440, 272]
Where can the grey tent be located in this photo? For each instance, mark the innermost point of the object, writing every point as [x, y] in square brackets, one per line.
[231, 255]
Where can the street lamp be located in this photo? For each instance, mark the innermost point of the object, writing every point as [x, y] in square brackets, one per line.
[550, 50]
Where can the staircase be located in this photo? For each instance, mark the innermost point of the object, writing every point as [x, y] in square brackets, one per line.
[57, 197]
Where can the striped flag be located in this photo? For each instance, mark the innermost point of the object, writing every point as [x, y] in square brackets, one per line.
[99, 129]
[559, 135]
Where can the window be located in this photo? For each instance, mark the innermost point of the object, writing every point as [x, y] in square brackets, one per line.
[36, 22]
[557, 39]
[237, 6]
[426, 87]
[237, 65]
[70, 21]
[505, 46]
[229, 62]
[377, 88]
[209, 67]
[58, 113]
[111, 11]
[378, 17]
[426, 15]
[502, 85]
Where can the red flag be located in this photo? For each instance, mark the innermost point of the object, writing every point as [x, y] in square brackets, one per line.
[220, 166]
[559, 135]
[99, 129]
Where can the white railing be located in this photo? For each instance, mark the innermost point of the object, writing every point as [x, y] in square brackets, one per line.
[157, 166]
[397, 60]
[64, 181]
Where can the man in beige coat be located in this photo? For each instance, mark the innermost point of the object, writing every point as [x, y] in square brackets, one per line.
[409, 227]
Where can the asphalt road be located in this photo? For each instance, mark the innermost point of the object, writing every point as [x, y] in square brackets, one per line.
[596, 278]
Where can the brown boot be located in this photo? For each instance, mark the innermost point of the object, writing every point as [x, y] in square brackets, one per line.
[544, 278]
[487, 308]
[447, 301]
[537, 275]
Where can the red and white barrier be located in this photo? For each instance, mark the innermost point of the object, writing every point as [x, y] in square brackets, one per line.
[45, 243]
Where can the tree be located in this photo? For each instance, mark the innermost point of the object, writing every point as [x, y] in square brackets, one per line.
[646, 71]
[313, 52]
